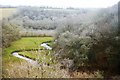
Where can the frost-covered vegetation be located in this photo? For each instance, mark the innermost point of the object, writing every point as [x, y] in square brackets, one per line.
[93, 43]
[10, 33]
[85, 40]
[45, 18]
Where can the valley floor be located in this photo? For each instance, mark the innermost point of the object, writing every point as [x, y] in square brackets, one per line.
[48, 67]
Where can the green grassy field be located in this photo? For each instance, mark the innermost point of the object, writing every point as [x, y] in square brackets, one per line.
[6, 12]
[23, 44]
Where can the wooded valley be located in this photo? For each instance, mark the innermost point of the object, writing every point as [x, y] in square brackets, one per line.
[84, 43]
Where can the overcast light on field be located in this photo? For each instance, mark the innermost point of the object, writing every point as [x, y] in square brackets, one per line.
[62, 3]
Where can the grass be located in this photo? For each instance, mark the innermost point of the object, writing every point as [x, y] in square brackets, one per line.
[30, 42]
[22, 44]
[6, 12]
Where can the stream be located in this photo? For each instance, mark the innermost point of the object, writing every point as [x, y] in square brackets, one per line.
[28, 59]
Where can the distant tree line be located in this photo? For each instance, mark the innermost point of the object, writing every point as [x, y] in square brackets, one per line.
[7, 6]
[38, 18]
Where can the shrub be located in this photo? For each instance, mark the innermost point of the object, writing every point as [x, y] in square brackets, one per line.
[10, 32]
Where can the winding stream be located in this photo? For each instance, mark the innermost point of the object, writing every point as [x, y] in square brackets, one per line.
[28, 59]
[46, 46]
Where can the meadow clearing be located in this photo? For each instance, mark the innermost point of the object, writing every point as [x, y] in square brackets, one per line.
[24, 43]
[6, 12]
